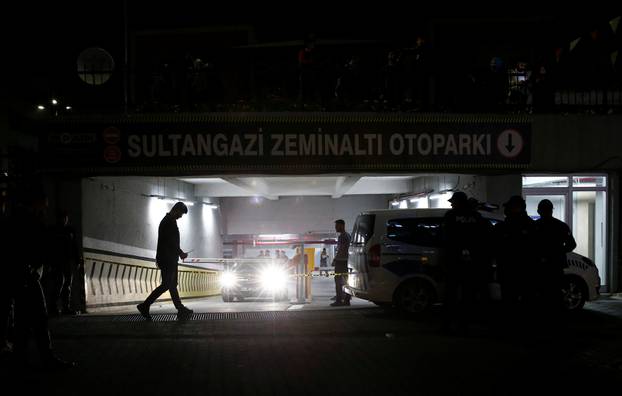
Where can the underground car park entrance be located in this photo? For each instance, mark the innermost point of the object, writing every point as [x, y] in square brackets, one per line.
[273, 184]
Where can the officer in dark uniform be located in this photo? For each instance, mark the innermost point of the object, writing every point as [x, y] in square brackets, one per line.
[28, 241]
[167, 257]
[465, 233]
[515, 253]
[554, 241]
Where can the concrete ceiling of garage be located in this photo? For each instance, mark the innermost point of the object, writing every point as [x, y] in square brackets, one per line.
[269, 187]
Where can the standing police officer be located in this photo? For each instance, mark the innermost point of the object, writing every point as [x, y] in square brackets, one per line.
[465, 232]
[554, 241]
[515, 253]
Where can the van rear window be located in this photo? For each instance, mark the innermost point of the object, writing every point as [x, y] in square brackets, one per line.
[363, 229]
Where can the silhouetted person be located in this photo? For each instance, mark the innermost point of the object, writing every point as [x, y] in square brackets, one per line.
[543, 89]
[464, 235]
[520, 80]
[495, 85]
[27, 238]
[393, 75]
[554, 240]
[515, 253]
[340, 262]
[6, 297]
[167, 257]
[417, 69]
[65, 259]
[308, 73]
[350, 87]
[324, 262]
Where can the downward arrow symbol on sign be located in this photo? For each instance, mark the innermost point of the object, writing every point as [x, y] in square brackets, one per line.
[509, 145]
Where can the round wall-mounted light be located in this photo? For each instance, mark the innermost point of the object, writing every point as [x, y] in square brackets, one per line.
[95, 66]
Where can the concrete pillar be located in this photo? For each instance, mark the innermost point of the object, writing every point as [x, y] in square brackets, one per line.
[500, 188]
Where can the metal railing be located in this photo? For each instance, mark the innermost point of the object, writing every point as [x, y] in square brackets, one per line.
[109, 282]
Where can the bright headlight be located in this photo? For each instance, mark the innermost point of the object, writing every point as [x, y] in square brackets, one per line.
[228, 279]
[273, 279]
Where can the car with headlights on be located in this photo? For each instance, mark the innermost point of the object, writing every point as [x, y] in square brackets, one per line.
[254, 278]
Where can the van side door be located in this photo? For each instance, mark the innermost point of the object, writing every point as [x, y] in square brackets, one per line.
[362, 234]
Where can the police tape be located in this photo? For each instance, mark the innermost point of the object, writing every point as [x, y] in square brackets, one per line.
[312, 275]
[327, 275]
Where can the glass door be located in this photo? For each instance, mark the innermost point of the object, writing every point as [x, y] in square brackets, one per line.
[581, 202]
[589, 216]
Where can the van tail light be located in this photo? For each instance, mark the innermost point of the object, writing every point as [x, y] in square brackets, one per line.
[374, 256]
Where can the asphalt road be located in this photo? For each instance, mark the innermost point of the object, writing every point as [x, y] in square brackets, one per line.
[355, 351]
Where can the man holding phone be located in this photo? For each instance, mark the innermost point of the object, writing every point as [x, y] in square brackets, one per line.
[168, 253]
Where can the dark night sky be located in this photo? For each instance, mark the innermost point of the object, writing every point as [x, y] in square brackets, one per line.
[58, 26]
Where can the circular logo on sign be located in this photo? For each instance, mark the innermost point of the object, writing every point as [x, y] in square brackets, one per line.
[112, 135]
[112, 154]
[95, 66]
[65, 138]
[510, 143]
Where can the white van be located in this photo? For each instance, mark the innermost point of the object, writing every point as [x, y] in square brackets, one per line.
[394, 260]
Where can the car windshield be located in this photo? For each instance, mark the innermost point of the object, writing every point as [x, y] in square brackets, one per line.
[251, 265]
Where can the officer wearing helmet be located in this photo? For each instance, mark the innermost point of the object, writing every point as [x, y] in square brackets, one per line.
[515, 239]
[464, 233]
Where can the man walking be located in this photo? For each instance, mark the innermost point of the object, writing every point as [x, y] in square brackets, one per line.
[168, 253]
[340, 262]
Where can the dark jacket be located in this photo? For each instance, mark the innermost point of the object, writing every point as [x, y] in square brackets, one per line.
[554, 241]
[64, 252]
[465, 235]
[25, 244]
[168, 250]
[515, 246]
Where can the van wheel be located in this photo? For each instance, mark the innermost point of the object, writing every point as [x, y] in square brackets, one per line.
[415, 297]
[226, 297]
[574, 293]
